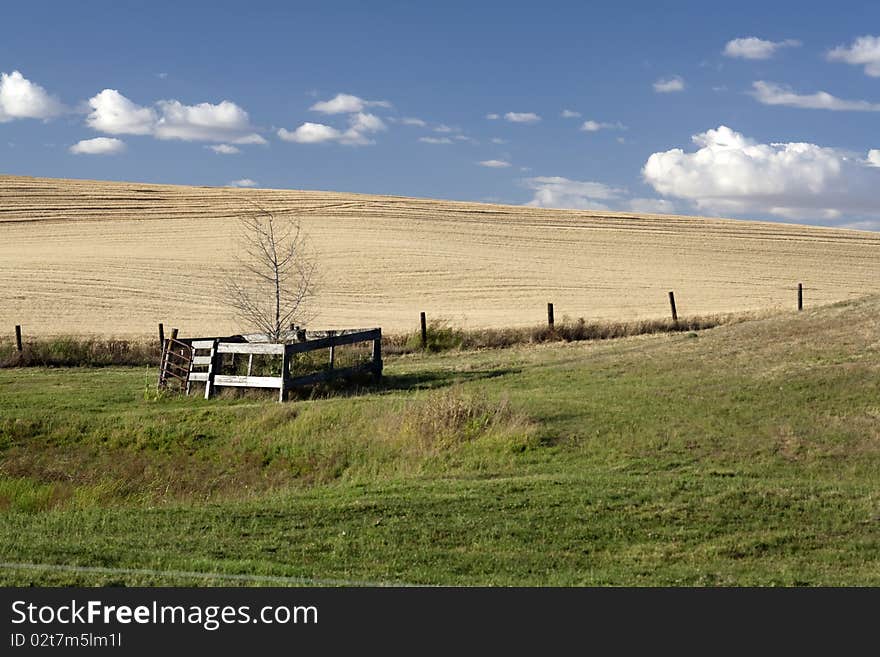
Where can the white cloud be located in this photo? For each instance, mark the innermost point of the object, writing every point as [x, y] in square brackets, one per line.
[310, 133]
[443, 128]
[364, 122]
[865, 224]
[732, 174]
[98, 146]
[361, 124]
[409, 120]
[242, 182]
[22, 99]
[435, 140]
[522, 117]
[465, 138]
[346, 104]
[669, 85]
[494, 164]
[595, 126]
[770, 93]
[570, 114]
[559, 192]
[493, 117]
[115, 114]
[755, 48]
[864, 51]
[651, 205]
[224, 149]
[873, 158]
[253, 138]
[224, 122]
[498, 140]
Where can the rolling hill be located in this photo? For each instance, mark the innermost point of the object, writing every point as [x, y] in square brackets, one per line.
[90, 257]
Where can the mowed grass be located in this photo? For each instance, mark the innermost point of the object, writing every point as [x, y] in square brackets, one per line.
[748, 454]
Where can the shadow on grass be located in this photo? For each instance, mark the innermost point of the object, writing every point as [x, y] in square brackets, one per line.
[356, 387]
[434, 380]
[359, 386]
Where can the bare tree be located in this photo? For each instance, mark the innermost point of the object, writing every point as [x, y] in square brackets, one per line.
[274, 275]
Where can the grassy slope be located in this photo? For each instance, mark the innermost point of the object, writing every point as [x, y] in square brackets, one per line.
[746, 454]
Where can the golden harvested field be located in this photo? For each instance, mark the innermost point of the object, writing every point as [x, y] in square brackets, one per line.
[87, 257]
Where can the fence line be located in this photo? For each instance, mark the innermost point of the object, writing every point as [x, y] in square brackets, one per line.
[216, 347]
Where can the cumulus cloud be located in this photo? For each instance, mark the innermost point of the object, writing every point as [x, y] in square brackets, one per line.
[564, 193]
[224, 149]
[360, 124]
[498, 140]
[114, 114]
[242, 182]
[559, 192]
[755, 48]
[494, 164]
[570, 114]
[225, 122]
[522, 117]
[732, 174]
[435, 140]
[864, 51]
[22, 99]
[310, 133]
[98, 146]
[410, 120]
[770, 93]
[346, 104]
[493, 117]
[669, 85]
[595, 126]
[873, 158]
[364, 122]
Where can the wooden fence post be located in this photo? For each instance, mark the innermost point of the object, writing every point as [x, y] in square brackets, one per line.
[550, 315]
[161, 335]
[212, 369]
[800, 296]
[672, 305]
[163, 361]
[284, 374]
[424, 323]
[18, 337]
[377, 357]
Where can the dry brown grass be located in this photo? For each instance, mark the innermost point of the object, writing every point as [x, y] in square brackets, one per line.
[451, 417]
[85, 257]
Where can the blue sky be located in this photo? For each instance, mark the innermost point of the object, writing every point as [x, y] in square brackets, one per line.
[773, 105]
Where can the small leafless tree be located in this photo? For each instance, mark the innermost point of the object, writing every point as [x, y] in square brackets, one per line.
[274, 275]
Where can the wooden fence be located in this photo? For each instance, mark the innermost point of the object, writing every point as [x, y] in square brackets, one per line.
[205, 357]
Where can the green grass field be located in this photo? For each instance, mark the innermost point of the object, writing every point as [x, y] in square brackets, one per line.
[747, 454]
